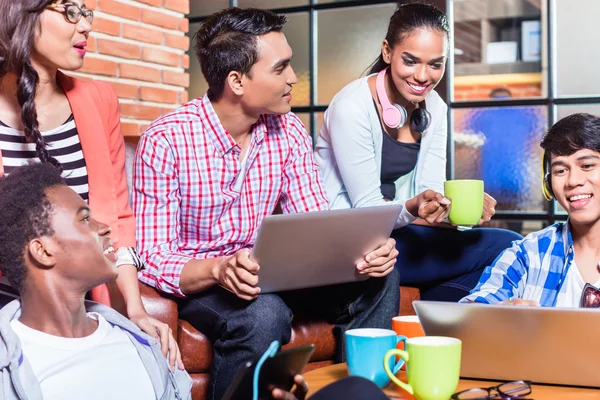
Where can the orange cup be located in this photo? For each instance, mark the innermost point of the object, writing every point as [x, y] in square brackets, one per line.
[407, 325]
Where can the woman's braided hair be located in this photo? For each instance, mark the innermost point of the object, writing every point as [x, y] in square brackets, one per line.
[19, 25]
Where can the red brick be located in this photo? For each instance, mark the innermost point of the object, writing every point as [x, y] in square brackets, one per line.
[156, 3]
[119, 49]
[160, 19]
[183, 6]
[120, 9]
[142, 34]
[90, 4]
[107, 26]
[139, 72]
[160, 56]
[126, 91]
[91, 44]
[130, 129]
[185, 61]
[176, 78]
[181, 42]
[98, 66]
[184, 25]
[158, 95]
[140, 111]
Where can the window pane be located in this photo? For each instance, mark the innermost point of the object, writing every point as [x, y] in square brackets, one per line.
[296, 32]
[320, 116]
[271, 3]
[501, 145]
[200, 8]
[349, 41]
[563, 111]
[498, 49]
[576, 62]
[198, 85]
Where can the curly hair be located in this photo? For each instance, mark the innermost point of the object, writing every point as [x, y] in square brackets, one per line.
[25, 214]
[19, 25]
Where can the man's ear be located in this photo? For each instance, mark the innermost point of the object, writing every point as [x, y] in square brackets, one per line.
[386, 52]
[41, 251]
[235, 82]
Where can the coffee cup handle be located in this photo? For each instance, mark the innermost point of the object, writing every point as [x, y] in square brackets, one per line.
[404, 356]
[400, 363]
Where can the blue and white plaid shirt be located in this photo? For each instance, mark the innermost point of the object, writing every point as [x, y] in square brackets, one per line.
[533, 268]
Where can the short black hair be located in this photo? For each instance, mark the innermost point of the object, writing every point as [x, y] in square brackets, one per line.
[25, 214]
[227, 41]
[571, 134]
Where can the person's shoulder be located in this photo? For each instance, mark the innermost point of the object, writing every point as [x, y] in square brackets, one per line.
[176, 121]
[542, 241]
[434, 102]
[287, 127]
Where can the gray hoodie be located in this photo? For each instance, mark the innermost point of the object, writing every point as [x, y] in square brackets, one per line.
[17, 381]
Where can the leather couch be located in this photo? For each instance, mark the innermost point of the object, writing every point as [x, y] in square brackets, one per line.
[196, 349]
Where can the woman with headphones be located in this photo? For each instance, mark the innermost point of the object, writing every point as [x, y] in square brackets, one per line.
[384, 139]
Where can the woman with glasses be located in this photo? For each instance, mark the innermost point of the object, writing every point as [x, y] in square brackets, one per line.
[384, 139]
[47, 116]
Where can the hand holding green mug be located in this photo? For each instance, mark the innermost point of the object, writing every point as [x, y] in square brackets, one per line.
[432, 366]
[467, 201]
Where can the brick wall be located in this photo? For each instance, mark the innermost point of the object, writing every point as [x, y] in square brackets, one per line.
[140, 48]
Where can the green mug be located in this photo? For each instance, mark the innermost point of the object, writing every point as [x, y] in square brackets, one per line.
[467, 201]
[432, 366]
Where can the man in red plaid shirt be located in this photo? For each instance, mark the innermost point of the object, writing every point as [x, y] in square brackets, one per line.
[207, 174]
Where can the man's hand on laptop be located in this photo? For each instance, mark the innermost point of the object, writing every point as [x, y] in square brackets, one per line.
[380, 262]
[239, 275]
[430, 205]
[520, 302]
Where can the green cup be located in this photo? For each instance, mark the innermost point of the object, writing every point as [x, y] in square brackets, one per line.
[432, 366]
[467, 201]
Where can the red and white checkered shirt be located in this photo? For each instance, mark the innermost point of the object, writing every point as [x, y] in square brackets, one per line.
[195, 199]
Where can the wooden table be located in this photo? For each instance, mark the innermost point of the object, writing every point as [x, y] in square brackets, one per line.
[321, 377]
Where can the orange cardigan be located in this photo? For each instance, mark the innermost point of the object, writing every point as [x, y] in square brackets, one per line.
[95, 108]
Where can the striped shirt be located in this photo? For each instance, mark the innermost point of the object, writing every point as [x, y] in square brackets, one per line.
[534, 268]
[195, 199]
[62, 143]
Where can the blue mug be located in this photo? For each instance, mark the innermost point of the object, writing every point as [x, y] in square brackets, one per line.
[365, 350]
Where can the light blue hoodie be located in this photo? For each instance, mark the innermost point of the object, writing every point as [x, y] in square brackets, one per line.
[17, 381]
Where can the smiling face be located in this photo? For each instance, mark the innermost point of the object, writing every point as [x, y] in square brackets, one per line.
[60, 44]
[576, 185]
[417, 62]
[80, 249]
[267, 88]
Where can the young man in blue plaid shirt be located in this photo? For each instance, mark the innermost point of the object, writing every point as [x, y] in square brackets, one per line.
[551, 267]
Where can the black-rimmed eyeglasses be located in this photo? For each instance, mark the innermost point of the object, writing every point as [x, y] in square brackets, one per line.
[508, 390]
[72, 12]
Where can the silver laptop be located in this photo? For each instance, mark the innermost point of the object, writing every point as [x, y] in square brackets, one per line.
[320, 248]
[544, 345]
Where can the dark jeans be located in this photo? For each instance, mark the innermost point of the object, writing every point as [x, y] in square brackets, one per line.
[242, 330]
[445, 264]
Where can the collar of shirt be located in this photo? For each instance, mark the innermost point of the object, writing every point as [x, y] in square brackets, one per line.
[220, 138]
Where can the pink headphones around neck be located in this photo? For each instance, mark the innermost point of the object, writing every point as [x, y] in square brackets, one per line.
[394, 115]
